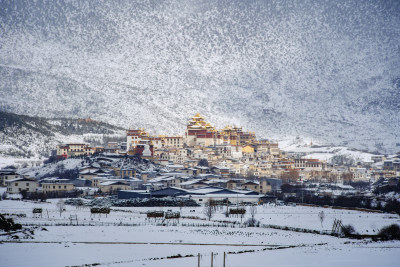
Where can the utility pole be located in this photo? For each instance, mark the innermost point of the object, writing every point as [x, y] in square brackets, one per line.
[212, 259]
[198, 260]
[224, 258]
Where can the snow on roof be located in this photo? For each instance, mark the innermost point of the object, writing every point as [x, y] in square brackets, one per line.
[85, 188]
[133, 179]
[176, 174]
[54, 179]
[242, 191]
[136, 191]
[87, 171]
[20, 179]
[205, 190]
[342, 186]
[112, 182]
[191, 182]
[8, 171]
[207, 175]
[56, 183]
[175, 166]
[226, 196]
[252, 182]
[161, 178]
[202, 167]
[154, 184]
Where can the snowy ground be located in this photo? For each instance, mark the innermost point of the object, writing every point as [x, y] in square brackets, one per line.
[126, 238]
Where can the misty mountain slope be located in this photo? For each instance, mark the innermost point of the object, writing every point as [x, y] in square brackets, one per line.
[326, 69]
[26, 137]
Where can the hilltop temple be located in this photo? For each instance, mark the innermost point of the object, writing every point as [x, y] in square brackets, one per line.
[201, 133]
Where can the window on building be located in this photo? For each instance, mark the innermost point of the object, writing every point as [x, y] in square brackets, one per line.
[16, 184]
[27, 184]
[65, 187]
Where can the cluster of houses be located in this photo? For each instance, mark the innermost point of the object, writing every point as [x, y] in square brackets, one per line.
[235, 153]
[230, 159]
[124, 176]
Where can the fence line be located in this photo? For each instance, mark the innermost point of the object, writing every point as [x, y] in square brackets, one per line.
[92, 223]
[210, 224]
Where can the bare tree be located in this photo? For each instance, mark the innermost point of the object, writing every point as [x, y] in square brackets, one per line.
[60, 206]
[321, 216]
[290, 176]
[209, 209]
[253, 211]
[251, 222]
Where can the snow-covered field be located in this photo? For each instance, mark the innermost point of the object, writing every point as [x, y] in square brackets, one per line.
[126, 238]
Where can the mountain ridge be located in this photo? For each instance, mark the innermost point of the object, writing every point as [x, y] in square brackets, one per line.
[325, 70]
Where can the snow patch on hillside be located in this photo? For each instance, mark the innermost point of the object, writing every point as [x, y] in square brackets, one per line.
[42, 171]
[313, 150]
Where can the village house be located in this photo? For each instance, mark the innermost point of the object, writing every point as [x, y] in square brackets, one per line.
[6, 175]
[73, 149]
[89, 174]
[309, 164]
[17, 185]
[190, 171]
[265, 187]
[253, 186]
[111, 186]
[232, 184]
[173, 141]
[124, 172]
[195, 183]
[134, 138]
[57, 187]
[274, 149]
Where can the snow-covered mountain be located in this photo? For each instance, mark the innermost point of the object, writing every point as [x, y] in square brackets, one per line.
[327, 70]
[32, 137]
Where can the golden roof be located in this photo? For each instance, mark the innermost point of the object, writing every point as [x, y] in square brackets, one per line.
[197, 115]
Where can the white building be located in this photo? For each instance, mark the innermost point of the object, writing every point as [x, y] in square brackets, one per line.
[16, 186]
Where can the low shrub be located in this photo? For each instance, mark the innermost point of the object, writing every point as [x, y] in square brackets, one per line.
[348, 230]
[390, 232]
[7, 224]
[251, 222]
